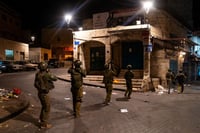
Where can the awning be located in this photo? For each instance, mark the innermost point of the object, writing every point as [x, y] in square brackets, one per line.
[174, 43]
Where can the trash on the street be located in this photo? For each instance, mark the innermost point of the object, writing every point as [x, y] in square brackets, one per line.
[4, 125]
[114, 93]
[161, 90]
[67, 98]
[6, 94]
[123, 110]
[27, 125]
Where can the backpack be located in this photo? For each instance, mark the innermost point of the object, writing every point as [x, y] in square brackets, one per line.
[42, 82]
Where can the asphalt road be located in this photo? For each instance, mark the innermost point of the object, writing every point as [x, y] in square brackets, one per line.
[144, 113]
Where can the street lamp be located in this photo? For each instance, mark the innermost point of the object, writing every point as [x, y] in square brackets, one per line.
[32, 40]
[147, 5]
[68, 18]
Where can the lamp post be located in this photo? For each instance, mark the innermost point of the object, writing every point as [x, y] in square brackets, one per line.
[68, 18]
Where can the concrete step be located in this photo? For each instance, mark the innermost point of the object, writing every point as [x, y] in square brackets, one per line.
[137, 83]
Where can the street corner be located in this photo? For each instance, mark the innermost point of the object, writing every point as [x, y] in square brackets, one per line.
[12, 103]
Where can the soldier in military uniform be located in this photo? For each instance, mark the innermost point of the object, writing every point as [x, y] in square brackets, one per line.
[44, 83]
[77, 75]
[108, 76]
[169, 77]
[128, 77]
[180, 77]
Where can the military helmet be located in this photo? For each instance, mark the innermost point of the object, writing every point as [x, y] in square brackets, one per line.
[77, 63]
[42, 66]
[129, 67]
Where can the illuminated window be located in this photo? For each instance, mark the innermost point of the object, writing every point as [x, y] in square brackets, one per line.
[9, 54]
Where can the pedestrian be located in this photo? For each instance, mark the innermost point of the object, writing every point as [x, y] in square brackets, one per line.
[128, 77]
[180, 78]
[108, 76]
[170, 78]
[77, 75]
[44, 83]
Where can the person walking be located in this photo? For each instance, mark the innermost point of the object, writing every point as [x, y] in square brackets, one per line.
[169, 77]
[44, 83]
[180, 78]
[77, 75]
[128, 77]
[108, 76]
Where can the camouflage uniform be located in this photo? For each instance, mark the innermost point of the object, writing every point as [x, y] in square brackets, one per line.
[108, 76]
[169, 77]
[77, 75]
[180, 77]
[128, 77]
[44, 83]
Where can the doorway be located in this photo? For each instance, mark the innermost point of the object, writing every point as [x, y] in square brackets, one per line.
[97, 58]
[132, 53]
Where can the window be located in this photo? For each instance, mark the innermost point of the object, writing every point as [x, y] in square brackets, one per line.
[9, 54]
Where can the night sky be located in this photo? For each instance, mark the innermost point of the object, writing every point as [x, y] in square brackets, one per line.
[36, 14]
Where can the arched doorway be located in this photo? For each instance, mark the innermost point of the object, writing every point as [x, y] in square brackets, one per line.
[94, 56]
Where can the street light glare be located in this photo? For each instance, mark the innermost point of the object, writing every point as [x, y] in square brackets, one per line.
[147, 5]
[68, 18]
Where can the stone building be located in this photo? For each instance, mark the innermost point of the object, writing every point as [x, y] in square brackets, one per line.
[152, 43]
[12, 50]
[60, 41]
[39, 54]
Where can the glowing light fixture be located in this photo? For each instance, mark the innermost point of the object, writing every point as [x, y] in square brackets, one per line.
[68, 18]
[147, 5]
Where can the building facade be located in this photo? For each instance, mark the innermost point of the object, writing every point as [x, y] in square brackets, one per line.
[152, 43]
[39, 54]
[12, 50]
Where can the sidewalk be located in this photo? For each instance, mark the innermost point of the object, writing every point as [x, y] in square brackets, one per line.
[11, 106]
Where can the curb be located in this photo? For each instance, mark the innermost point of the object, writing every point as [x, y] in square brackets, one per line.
[17, 112]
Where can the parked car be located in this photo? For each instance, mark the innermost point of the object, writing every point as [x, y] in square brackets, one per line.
[27, 65]
[16, 67]
[9, 66]
[5, 66]
[53, 63]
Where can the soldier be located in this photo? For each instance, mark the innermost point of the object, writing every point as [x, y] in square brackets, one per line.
[180, 77]
[108, 76]
[169, 77]
[128, 77]
[44, 83]
[77, 75]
